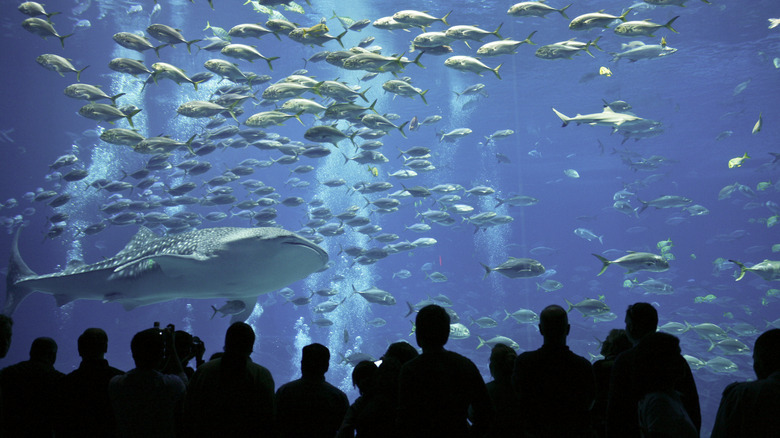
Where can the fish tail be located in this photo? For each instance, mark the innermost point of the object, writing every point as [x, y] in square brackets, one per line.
[498, 35]
[17, 270]
[507, 314]
[62, 39]
[51, 14]
[495, 70]
[712, 345]
[563, 9]
[268, 60]
[643, 207]
[444, 18]
[527, 39]
[622, 16]
[190, 43]
[338, 38]
[363, 94]
[605, 261]
[215, 312]
[130, 117]
[157, 49]
[298, 116]
[500, 202]
[78, 73]
[481, 342]
[487, 268]
[411, 309]
[417, 60]
[422, 96]
[742, 269]
[401, 128]
[114, 98]
[571, 306]
[563, 117]
[668, 25]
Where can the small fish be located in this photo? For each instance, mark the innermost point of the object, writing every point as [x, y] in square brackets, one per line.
[737, 161]
[604, 71]
[757, 126]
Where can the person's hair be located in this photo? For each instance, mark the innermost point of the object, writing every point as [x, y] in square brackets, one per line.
[315, 360]
[401, 351]
[148, 348]
[44, 349]
[641, 320]
[617, 342]
[766, 353]
[239, 339]
[93, 343]
[554, 322]
[433, 326]
[502, 361]
[363, 374]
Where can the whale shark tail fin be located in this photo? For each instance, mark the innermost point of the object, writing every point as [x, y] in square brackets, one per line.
[17, 270]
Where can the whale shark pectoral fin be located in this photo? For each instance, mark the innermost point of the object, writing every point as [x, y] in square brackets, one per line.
[249, 307]
[63, 299]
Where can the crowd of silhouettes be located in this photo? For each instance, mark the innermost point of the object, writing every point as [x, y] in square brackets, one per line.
[643, 387]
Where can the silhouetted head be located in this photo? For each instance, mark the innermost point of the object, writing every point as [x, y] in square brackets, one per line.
[617, 342]
[183, 342]
[6, 330]
[433, 327]
[44, 350]
[315, 360]
[401, 351]
[362, 375]
[554, 324]
[239, 339]
[766, 354]
[93, 343]
[148, 348]
[641, 320]
[502, 362]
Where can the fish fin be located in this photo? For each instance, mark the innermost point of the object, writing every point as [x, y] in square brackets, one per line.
[605, 261]
[62, 299]
[486, 267]
[742, 269]
[17, 270]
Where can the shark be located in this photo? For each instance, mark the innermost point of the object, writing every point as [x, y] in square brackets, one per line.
[224, 262]
[607, 117]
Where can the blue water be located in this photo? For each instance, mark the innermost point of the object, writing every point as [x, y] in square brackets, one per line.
[694, 93]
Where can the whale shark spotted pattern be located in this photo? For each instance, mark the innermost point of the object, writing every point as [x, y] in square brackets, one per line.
[232, 263]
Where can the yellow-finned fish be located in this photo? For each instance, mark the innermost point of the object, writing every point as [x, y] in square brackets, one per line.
[374, 171]
[759, 123]
[604, 71]
[737, 161]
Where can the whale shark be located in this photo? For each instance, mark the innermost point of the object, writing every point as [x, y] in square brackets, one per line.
[232, 263]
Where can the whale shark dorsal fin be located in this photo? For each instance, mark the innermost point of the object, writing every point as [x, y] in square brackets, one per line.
[607, 109]
[144, 234]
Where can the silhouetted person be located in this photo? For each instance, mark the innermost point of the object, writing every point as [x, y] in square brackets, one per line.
[145, 401]
[556, 387]
[622, 419]
[188, 347]
[29, 392]
[616, 343]
[6, 330]
[310, 407]
[355, 420]
[505, 402]
[751, 409]
[377, 411]
[231, 396]
[437, 387]
[85, 406]
[659, 368]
